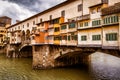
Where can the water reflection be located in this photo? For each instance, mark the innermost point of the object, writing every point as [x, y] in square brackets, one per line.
[104, 66]
[21, 69]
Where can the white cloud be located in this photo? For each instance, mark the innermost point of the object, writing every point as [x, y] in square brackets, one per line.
[14, 11]
[20, 12]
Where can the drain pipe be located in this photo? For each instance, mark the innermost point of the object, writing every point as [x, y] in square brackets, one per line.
[119, 33]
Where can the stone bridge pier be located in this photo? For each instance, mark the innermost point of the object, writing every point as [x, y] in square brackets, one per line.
[43, 56]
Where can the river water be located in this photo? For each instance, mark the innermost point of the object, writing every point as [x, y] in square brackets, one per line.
[101, 67]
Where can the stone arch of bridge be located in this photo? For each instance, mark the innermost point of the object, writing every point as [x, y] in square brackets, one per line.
[74, 55]
[25, 51]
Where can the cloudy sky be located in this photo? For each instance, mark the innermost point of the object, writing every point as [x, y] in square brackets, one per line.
[21, 9]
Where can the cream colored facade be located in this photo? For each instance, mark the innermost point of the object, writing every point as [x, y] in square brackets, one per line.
[2, 35]
[93, 26]
[4, 22]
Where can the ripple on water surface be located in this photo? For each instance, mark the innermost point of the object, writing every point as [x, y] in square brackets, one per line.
[21, 69]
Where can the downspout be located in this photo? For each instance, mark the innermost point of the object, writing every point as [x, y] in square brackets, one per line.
[119, 33]
[77, 25]
[82, 7]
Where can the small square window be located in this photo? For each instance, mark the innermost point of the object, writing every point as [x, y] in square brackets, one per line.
[80, 7]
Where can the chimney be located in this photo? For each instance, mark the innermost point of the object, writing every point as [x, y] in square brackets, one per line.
[17, 21]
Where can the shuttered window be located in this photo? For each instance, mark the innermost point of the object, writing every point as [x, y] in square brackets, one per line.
[63, 27]
[110, 20]
[111, 37]
[96, 37]
[83, 38]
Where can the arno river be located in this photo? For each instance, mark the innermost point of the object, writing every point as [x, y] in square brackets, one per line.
[101, 67]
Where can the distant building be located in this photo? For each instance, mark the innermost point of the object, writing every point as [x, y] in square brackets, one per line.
[4, 23]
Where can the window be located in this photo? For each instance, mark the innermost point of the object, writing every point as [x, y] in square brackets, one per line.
[41, 20]
[80, 7]
[96, 37]
[56, 21]
[116, 19]
[64, 37]
[75, 37]
[110, 19]
[27, 24]
[72, 25]
[69, 38]
[34, 28]
[111, 37]
[51, 22]
[86, 24]
[81, 24]
[57, 29]
[96, 22]
[42, 24]
[50, 17]
[33, 22]
[23, 26]
[57, 38]
[63, 27]
[63, 13]
[83, 38]
[18, 27]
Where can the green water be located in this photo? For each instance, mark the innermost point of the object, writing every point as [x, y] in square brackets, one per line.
[101, 67]
[21, 69]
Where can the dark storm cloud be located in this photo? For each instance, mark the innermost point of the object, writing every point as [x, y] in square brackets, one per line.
[36, 5]
[29, 4]
[21, 9]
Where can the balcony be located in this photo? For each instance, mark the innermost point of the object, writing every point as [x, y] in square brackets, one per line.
[84, 17]
[111, 10]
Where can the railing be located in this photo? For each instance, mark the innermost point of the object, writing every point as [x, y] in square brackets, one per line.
[111, 9]
[84, 17]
